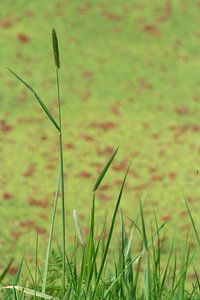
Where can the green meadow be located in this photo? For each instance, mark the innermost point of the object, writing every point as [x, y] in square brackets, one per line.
[129, 77]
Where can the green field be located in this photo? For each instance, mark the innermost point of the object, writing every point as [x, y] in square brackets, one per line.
[130, 76]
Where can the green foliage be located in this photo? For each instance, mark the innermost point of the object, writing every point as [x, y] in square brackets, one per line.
[89, 273]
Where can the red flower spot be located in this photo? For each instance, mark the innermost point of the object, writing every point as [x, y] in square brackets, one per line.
[69, 146]
[118, 182]
[111, 16]
[43, 216]
[40, 230]
[38, 203]
[166, 218]
[134, 174]
[144, 85]
[84, 174]
[86, 95]
[16, 235]
[103, 187]
[151, 29]
[43, 137]
[153, 202]
[29, 13]
[104, 197]
[195, 128]
[162, 152]
[23, 38]
[27, 224]
[145, 125]
[30, 171]
[105, 151]
[115, 109]
[135, 153]
[96, 165]
[4, 126]
[7, 196]
[171, 175]
[105, 126]
[190, 199]
[182, 111]
[87, 138]
[7, 22]
[12, 270]
[192, 276]
[156, 178]
[141, 187]
[183, 213]
[87, 74]
[50, 166]
[85, 230]
[121, 166]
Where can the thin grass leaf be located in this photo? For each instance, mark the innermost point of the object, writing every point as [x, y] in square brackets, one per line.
[166, 270]
[90, 249]
[93, 269]
[17, 276]
[193, 223]
[197, 278]
[126, 253]
[111, 230]
[103, 172]
[44, 281]
[38, 99]
[30, 292]
[5, 271]
[36, 265]
[29, 271]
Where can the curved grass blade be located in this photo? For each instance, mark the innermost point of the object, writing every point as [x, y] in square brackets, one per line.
[103, 172]
[30, 292]
[5, 271]
[38, 99]
[193, 223]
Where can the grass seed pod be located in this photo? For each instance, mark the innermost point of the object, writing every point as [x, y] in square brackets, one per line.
[55, 48]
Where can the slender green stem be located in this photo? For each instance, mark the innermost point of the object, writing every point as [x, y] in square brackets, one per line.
[62, 177]
[44, 283]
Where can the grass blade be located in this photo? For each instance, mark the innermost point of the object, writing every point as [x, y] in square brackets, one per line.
[38, 99]
[51, 235]
[111, 230]
[5, 271]
[193, 223]
[103, 172]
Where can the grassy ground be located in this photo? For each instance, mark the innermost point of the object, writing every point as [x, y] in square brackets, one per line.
[130, 77]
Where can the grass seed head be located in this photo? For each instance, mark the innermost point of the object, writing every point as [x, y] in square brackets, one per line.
[55, 48]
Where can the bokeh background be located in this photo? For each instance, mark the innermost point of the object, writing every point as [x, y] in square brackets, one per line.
[130, 76]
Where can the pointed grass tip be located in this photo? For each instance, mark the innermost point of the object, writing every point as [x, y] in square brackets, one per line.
[55, 48]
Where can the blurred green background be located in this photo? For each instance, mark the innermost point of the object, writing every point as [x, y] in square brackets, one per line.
[130, 76]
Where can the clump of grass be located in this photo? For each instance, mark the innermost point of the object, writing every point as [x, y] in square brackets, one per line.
[89, 272]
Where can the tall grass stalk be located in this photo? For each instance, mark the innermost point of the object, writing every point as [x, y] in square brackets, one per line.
[57, 64]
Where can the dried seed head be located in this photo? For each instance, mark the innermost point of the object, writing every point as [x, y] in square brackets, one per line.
[78, 227]
[55, 48]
